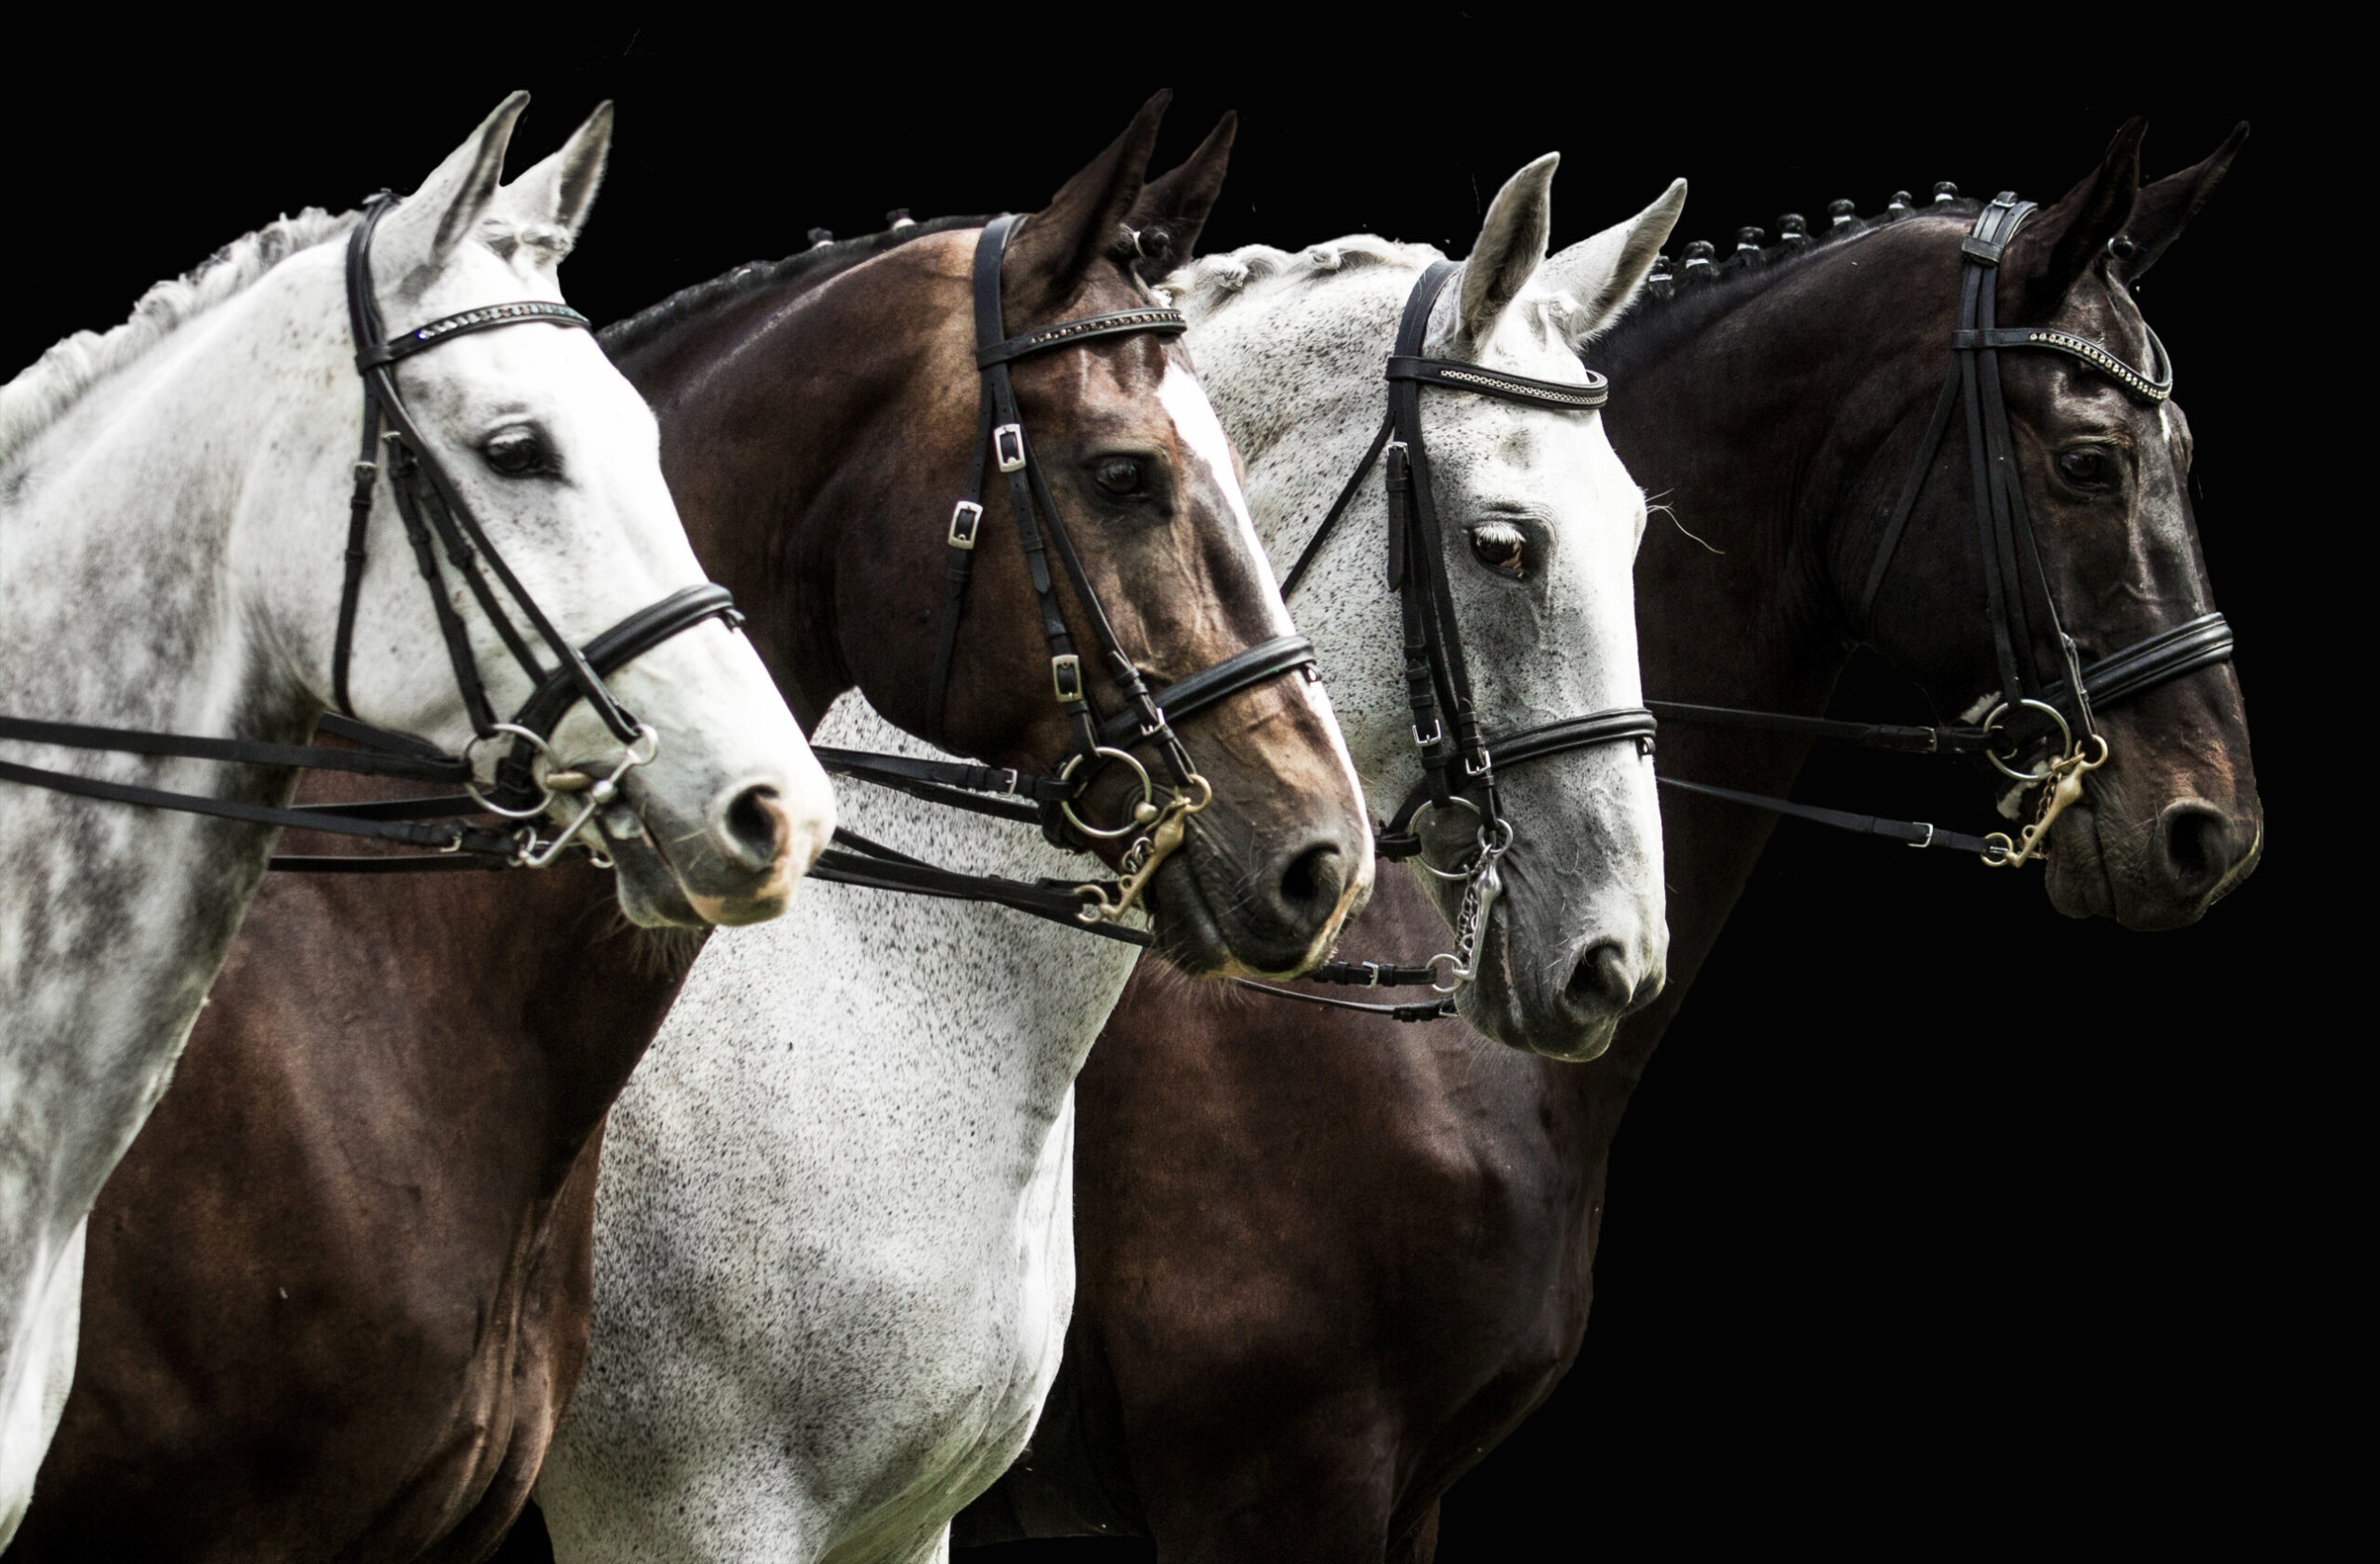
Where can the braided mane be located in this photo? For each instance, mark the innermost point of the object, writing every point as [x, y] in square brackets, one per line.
[43, 394]
[820, 262]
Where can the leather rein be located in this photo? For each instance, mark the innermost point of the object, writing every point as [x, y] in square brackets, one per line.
[436, 518]
[1458, 762]
[1153, 829]
[2030, 708]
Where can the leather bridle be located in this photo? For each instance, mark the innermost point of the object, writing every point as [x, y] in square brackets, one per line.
[436, 518]
[1153, 829]
[2029, 706]
[1460, 764]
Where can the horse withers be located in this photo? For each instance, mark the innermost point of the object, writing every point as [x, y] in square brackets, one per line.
[175, 499]
[1328, 1263]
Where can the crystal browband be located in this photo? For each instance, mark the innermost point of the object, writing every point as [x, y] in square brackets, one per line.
[413, 342]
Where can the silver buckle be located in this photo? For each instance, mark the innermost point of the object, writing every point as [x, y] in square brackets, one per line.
[1487, 764]
[963, 523]
[1437, 731]
[1150, 730]
[1008, 447]
[1929, 834]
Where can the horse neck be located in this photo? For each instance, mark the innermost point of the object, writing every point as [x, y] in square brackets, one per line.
[134, 536]
[757, 444]
[1751, 417]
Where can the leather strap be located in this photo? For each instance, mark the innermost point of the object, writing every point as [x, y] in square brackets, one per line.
[1213, 686]
[856, 860]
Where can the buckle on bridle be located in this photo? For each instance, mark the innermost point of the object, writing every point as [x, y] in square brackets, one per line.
[964, 520]
[1008, 447]
[1437, 731]
[1484, 767]
[1066, 676]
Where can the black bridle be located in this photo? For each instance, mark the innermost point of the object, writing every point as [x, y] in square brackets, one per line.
[1155, 829]
[436, 518]
[1458, 762]
[2033, 708]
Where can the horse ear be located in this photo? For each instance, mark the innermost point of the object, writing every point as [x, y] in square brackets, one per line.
[1173, 211]
[2059, 244]
[1509, 250]
[428, 225]
[2164, 208]
[1600, 275]
[1085, 220]
[560, 191]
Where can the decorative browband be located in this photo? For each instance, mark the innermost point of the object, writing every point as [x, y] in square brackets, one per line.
[481, 319]
[1083, 330]
[2090, 353]
[1459, 376]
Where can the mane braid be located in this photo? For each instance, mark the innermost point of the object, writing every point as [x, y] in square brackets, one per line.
[43, 394]
[1212, 282]
[626, 336]
[1668, 309]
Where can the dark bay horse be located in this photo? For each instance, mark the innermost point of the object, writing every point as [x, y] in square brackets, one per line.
[337, 1296]
[1327, 1264]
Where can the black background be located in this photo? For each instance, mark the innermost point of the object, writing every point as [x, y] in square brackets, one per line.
[1938, 1217]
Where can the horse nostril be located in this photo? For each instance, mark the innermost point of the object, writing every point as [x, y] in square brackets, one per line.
[1600, 982]
[1313, 883]
[2194, 845]
[756, 827]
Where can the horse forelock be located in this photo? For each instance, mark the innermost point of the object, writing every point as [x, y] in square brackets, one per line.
[44, 392]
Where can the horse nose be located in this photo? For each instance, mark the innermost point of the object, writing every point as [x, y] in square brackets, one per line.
[2194, 848]
[1605, 985]
[754, 831]
[1307, 892]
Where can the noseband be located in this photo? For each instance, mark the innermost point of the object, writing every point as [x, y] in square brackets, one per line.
[2030, 707]
[436, 517]
[1153, 829]
[1459, 764]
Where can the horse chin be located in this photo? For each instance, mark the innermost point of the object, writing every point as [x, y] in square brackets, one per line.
[649, 890]
[1491, 1003]
[1188, 932]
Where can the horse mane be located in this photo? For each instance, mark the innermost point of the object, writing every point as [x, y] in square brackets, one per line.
[1212, 282]
[814, 265]
[1676, 303]
[41, 394]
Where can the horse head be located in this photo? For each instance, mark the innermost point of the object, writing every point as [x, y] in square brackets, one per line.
[1540, 524]
[1145, 487]
[2172, 821]
[557, 457]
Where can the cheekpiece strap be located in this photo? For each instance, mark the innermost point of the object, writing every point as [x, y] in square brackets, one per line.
[486, 318]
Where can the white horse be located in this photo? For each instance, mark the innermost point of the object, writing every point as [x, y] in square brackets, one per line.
[834, 1246]
[174, 510]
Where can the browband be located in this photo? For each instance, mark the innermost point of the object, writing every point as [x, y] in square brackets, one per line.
[1459, 376]
[485, 318]
[2141, 385]
[1065, 335]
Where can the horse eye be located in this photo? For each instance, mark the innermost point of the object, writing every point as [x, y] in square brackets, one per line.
[2085, 468]
[1501, 548]
[1117, 475]
[517, 453]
